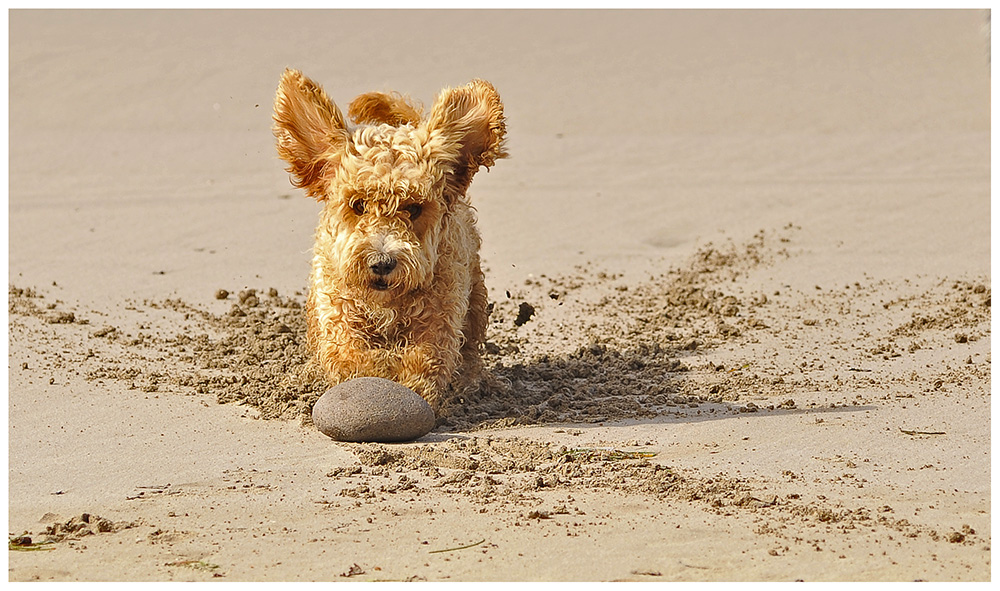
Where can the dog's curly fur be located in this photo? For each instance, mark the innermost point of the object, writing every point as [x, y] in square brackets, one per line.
[396, 289]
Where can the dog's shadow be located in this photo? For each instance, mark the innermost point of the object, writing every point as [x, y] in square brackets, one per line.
[594, 383]
[598, 384]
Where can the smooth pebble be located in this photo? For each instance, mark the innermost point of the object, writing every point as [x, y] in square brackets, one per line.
[372, 410]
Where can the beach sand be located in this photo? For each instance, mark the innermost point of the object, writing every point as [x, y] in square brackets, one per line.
[756, 246]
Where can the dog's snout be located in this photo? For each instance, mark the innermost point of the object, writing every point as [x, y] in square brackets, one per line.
[382, 264]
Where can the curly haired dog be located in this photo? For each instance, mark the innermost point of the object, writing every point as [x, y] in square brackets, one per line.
[396, 289]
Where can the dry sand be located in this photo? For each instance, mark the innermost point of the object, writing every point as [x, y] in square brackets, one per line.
[740, 269]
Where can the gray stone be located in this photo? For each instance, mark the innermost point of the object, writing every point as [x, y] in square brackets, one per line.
[372, 410]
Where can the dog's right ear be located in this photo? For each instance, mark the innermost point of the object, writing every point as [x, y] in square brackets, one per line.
[309, 129]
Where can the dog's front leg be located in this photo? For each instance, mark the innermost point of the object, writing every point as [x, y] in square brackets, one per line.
[427, 364]
[423, 362]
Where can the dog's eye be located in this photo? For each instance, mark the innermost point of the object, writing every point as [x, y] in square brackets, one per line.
[413, 210]
[358, 207]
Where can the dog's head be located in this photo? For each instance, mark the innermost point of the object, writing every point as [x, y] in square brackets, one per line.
[390, 182]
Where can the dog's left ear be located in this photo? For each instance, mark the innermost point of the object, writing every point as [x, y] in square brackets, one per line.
[468, 129]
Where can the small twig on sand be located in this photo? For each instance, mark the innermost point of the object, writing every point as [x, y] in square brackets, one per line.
[23, 543]
[459, 548]
[922, 432]
[610, 453]
[694, 566]
[195, 564]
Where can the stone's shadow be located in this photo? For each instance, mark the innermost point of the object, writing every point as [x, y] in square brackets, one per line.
[713, 411]
[669, 415]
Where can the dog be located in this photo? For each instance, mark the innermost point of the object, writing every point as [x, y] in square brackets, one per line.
[396, 289]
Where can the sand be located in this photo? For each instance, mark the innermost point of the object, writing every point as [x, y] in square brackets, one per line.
[739, 265]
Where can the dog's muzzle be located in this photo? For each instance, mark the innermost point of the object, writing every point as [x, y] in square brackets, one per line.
[381, 265]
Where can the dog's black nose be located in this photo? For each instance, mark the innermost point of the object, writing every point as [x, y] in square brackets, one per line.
[383, 265]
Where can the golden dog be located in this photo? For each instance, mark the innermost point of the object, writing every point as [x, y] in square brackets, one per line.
[396, 289]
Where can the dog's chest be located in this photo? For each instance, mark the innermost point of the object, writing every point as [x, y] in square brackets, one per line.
[383, 327]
